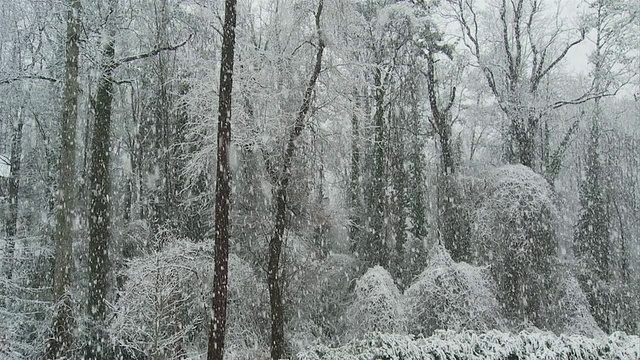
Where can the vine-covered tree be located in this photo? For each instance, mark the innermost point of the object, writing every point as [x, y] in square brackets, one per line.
[515, 234]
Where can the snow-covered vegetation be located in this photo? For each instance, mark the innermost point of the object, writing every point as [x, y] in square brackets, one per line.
[448, 295]
[377, 305]
[491, 345]
[321, 179]
[515, 230]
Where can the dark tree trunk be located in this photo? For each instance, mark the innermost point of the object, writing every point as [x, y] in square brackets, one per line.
[99, 208]
[377, 252]
[223, 188]
[452, 218]
[275, 291]
[354, 185]
[523, 132]
[11, 225]
[399, 199]
[61, 343]
[275, 244]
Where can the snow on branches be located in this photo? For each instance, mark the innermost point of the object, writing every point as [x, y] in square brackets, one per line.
[449, 295]
[377, 305]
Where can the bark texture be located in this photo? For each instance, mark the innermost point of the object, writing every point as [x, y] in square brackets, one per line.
[60, 346]
[223, 189]
[99, 214]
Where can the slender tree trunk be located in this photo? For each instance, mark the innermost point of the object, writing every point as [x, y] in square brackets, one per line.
[11, 224]
[61, 343]
[354, 185]
[398, 175]
[377, 254]
[223, 188]
[275, 244]
[162, 184]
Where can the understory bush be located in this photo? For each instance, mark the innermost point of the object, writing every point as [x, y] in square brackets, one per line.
[450, 295]
[163, 309]
[491, 345]
[378, 305]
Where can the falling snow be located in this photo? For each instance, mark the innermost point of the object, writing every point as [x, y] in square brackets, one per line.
[319, 179]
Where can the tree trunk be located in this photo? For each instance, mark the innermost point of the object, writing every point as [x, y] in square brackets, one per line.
[399, 198]
[223, 188]
[61, 343]
[523, 135]
[11, 225]
[354, 184]
[275, 244]
[99, 208]
[377, 252]
[452, 218]
[162, 199]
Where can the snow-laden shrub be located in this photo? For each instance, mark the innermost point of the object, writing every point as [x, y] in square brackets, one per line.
[450, 295]
[25, 298]
[163, 309]
[378, 305]
[574, 311]
[514, 232]
[318, 295]
[491, 345]
[136, 239]
[247, 309]
[333, 278]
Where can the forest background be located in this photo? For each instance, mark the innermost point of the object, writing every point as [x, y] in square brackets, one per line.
[460, 165]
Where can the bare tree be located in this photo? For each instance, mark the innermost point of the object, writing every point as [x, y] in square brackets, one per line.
[275, 244]
[99, 179]
[526, 55]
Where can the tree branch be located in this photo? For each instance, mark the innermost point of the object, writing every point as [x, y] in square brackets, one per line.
[559, 58]
[28, 77]
[581, 99]
[505, 39]
[452, 99]
[151, 53]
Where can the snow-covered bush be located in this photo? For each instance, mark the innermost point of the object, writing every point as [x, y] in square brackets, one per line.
[136, 239]
[318, 293]
[378, 305]
[162, 305]
[450, 295]
[514, 234]
[25, 298]
[163, 308]
[248, 310]
[331, 286]
[574, 311]
[491, 345]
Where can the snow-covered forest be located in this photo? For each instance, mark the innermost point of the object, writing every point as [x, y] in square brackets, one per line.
[319, 179]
